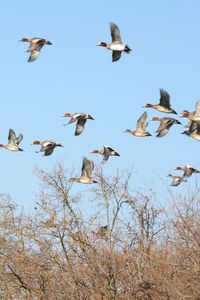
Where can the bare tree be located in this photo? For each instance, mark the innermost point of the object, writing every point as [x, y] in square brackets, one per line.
[128, 247]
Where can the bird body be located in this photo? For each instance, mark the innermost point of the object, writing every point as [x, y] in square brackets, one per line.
[115, 47]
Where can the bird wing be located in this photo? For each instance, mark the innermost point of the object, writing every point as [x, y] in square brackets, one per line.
[34, 55]
[194, 170]
[162, 132]
[107, 152]
[141, 125]
[80, 126]
[115, 33]
[19, 138]
[105, 159]
[197, 107]
[165, 124]
[116, 55]
[164, 99]
[48, 151]
[87, 167]
[193, 126]
[12, 137]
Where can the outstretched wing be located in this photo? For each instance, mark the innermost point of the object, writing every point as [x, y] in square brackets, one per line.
[194, 126]
[34, 55]
[19, 138]
[11, 137]
[105, 159]
[116, 55]
[141, 125]
[164, 127]
[48, 151]
[87, 167]
[164, 98]
[80, 126]
[115, 33]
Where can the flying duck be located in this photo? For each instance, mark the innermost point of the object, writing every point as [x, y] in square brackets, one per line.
[193, 131]
[35, 46]
[106, 152]
[176, 180]
[80, 118]
[193, 116]
[140, 127]
[47, 146]
[86, 173]
[13, 141]
[188, 170]
[165, 124]
[116, 46]
[164, 104]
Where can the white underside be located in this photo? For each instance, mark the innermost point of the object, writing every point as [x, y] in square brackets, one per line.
[117, 47]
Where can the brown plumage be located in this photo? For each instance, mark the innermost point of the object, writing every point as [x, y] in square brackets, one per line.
[86, 173]
[140, 127]
[193, 116]
[164, 103]
[165, 124]
[35, 46]
[193, 131]
[187, 170]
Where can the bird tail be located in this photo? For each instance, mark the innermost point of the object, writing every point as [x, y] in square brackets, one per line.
[127, 49]
[186, 133]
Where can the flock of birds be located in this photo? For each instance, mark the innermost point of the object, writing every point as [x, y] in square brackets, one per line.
[164, 106]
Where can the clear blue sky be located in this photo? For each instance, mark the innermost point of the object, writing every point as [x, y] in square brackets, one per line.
[74, 75]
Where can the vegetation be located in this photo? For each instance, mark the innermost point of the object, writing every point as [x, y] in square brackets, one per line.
[129, 248]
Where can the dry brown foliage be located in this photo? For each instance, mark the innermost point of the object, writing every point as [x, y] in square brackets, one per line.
[124, 247]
